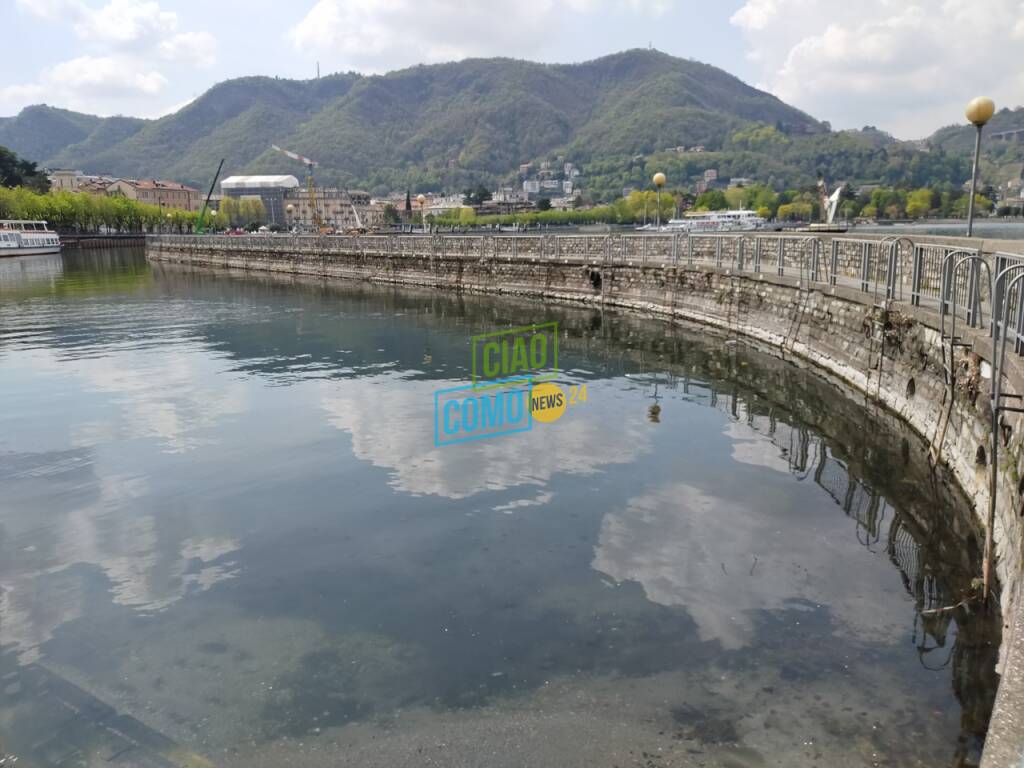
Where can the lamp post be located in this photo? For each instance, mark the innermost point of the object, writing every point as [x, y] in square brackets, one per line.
[290, 211]
[422, 200]
[659, 182]
[979, 112]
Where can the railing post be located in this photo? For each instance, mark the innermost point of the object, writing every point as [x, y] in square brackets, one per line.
[973, 295]
[998, 296]
[689, 251]
[781, 255]
[718, 251]
[815, 260]
[865, 266]
[1018, 341]
[757, 255]
[890, 281]
[917, 276]
[946, 293]
[740, 248]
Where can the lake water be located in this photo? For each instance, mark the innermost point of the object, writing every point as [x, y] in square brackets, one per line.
[227, 537]
[1001, 229]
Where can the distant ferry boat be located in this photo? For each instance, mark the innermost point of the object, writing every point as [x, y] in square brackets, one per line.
[27, 238]
[712, 221]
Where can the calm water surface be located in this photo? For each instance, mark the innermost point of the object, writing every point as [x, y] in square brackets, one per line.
[226, 537]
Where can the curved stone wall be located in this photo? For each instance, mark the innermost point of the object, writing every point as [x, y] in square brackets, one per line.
[819, 299]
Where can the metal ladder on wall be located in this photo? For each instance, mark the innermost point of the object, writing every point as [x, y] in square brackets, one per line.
[952, 275]
[809, 274]
[891, 248]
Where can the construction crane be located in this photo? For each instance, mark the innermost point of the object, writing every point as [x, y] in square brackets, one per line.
[318, 221]
[200, 227]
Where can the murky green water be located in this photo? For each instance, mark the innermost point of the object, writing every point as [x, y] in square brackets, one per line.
[226, 535]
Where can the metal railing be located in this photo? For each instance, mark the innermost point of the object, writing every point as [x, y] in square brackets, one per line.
[892, 268]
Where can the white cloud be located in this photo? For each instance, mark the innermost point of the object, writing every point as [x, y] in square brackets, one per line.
[907, 67]
[87, 81]
[403, 443]
[687, 546]
[380, 35]
[105, 75]
[126, 21]
[116, 67]
[199, 48]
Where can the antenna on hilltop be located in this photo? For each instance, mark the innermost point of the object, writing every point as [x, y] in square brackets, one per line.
[318, 70]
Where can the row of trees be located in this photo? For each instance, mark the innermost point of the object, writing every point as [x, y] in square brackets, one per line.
[245, 213]
[81, 212]
[70, 212]
[945, 201]
[789, 205]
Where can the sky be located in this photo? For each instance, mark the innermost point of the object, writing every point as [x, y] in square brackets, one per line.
[906, 66]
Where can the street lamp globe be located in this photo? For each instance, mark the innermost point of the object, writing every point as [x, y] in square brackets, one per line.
[659, 182]
[290, 208]
[980, 110]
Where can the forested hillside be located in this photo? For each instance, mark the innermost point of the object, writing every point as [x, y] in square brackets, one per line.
[451, 126]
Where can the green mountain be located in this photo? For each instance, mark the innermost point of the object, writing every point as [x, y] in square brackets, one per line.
[451, 126]
[40, 132]
[428, 125]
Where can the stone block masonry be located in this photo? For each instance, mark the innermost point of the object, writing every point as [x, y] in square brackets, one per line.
[816, 298]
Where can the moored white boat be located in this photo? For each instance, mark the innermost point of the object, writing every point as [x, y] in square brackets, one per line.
[27, 238]
[716, 221]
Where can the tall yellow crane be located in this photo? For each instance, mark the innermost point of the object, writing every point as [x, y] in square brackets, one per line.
[318, 221]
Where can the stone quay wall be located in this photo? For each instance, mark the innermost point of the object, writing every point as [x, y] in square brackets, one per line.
[864, 309]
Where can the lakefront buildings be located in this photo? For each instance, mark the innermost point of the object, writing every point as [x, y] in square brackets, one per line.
[289, 205]
[159, 192]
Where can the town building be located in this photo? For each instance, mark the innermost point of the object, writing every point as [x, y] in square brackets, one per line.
[490, 207]
[158, 192]
[62, 179]
[165, 194]
[567, 203]
[441, 205]
[339, 209]
[740, 181]
[509, 195]
[269, 189]
[710, 175]
[93, 186]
